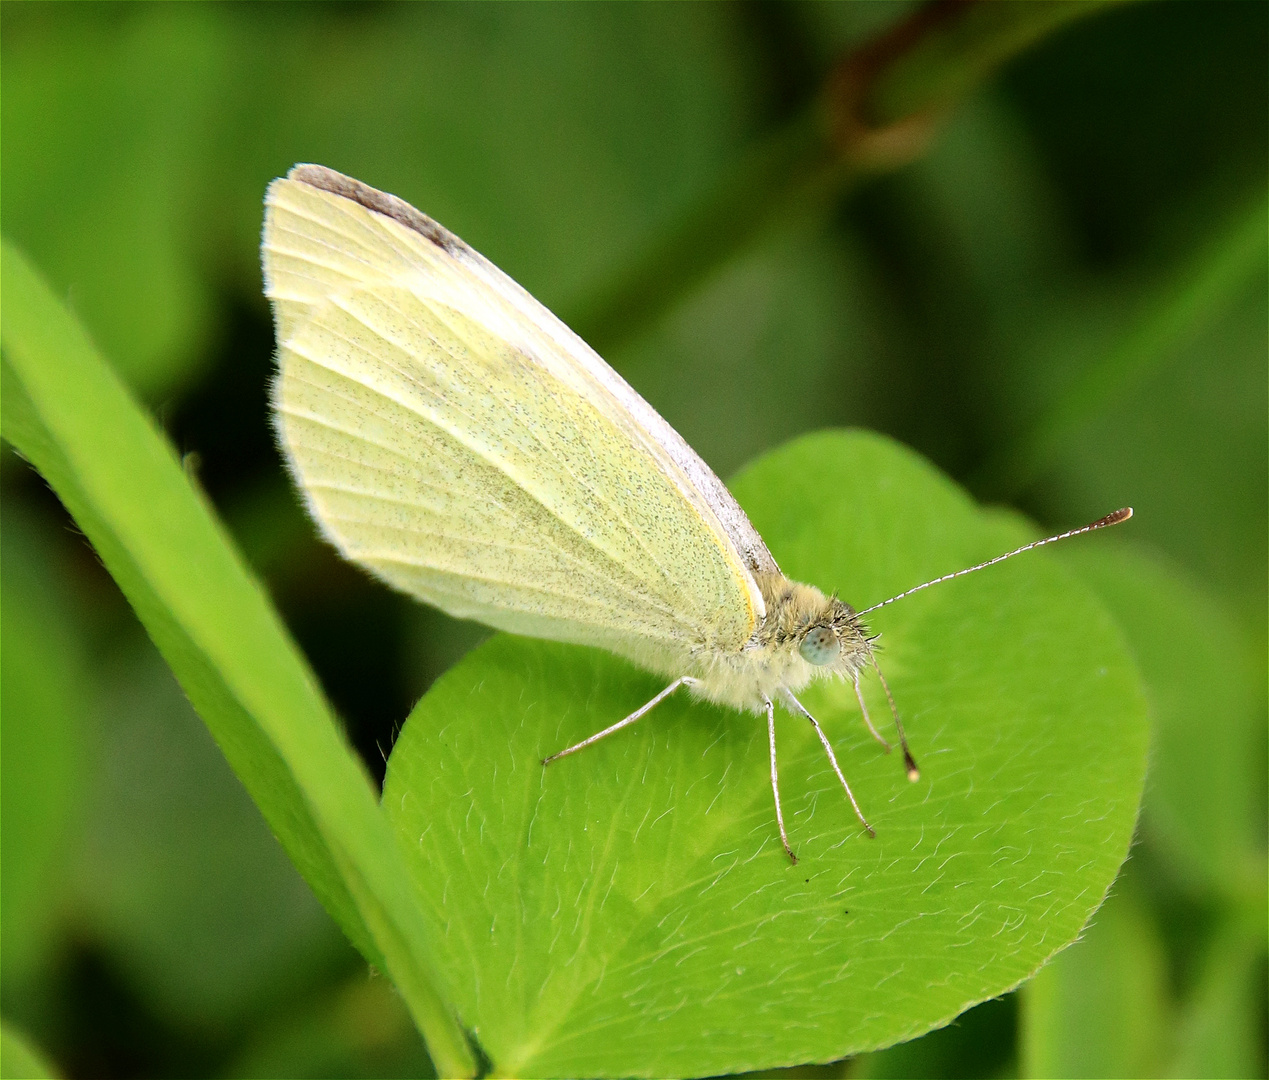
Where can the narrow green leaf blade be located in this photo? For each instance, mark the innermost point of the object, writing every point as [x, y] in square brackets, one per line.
[69, 415]
[629, 911]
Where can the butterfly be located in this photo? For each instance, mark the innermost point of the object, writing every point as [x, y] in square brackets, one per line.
[456, 439]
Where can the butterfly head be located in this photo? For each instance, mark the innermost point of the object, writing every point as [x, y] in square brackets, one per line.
[823, 631]
[834, 637]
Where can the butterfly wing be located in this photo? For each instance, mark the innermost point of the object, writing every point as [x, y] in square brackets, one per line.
[455, 438]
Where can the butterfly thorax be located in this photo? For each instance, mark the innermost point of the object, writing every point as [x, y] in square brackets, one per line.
[804, 636]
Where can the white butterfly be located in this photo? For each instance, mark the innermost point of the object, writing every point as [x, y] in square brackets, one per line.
[455, 438]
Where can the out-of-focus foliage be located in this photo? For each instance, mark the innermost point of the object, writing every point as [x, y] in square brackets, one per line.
[19, 1058]
[151, 923]
[1100, 1008]
[45, 689]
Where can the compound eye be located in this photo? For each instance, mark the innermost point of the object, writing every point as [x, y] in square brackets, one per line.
[820, 646]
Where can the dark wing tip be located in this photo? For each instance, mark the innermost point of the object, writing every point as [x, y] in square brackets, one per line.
[324, 179]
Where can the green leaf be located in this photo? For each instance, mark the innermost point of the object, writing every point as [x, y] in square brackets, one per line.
[1100, 1008]
[630, 911]
[67, 412]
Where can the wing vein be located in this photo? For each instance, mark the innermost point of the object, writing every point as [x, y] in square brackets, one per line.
[647, 598]
[672, 580]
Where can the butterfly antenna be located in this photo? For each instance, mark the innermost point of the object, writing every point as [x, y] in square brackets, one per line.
[914, 774]
[1100, 523]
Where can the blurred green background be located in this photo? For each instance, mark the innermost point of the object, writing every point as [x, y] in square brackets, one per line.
[1062, 304]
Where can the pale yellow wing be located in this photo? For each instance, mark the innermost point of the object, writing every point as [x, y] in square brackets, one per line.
[452, 436]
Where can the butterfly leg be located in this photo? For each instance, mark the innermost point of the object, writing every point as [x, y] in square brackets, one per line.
[828, 749]
[914, 774]
[638, 714]
[859, 695]
[775, 779]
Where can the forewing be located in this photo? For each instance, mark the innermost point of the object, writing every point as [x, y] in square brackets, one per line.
[452, 450]
[451, 267]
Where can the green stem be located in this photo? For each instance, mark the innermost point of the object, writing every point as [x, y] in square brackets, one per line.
[955, 49]
[880, 107]
[795, 171]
